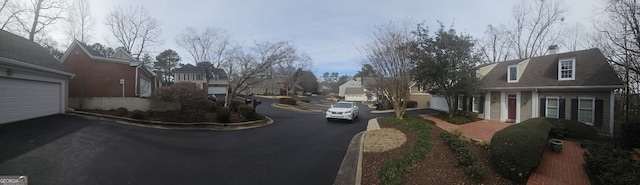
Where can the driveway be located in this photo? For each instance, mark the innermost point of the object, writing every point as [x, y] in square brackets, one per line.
[299, 148]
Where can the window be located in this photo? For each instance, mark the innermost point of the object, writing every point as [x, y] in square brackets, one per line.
[460, 102]
[512, 74]
[567, 69]
[476, 104]
[198, 76]
[585, 110]
[552, 107]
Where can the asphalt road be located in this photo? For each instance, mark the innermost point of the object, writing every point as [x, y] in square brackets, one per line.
[299, 148]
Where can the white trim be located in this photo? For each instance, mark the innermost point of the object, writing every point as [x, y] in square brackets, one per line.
[555, 87]
[593, 109]
[611, 112]
[546, 104]
[487, 105]
[509, 80]
[518, 104]
[573, 69]
[534, 104]
[475, 108]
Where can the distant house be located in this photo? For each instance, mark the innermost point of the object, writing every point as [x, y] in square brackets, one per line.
[354, 90]
[32, 82]
[100, 76]
[419, 95]
[575, 86]
[211, 81]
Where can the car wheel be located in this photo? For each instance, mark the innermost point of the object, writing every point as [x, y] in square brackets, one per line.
[329, 120]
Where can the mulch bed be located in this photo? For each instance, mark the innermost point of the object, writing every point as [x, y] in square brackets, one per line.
[438, 167]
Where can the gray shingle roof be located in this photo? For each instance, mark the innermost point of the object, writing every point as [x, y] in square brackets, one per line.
[189, 69]
[20, 49]
[90, 50]
[592, 69]
[221, 74]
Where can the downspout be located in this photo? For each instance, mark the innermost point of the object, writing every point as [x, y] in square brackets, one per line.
[136, 81]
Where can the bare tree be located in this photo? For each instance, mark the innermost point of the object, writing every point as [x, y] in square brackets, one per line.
[40, 15]
[389, 54]
[573, 37]
[533, 29]
[212, 45]
[249, 67]
[291, 68]
[133, 28]
[80, 21]
[10, 11]
[496, 45]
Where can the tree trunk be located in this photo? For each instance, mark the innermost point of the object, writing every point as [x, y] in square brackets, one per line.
[399, 109]
[452, 108]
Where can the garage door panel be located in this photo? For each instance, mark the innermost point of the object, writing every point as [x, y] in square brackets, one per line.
[25, 99]
[217, 90]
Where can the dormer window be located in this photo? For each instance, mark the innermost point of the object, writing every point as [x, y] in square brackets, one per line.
[512, 73]
[567, 69]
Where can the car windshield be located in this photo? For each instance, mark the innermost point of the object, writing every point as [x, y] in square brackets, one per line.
[342, 105]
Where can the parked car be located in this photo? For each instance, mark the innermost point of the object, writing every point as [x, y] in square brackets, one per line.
[307, 93]
[343, 110]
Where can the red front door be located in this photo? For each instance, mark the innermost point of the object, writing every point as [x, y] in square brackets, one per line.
[512, 108]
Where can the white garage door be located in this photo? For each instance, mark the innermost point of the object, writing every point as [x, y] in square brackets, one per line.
[25, 99]
[217, 90]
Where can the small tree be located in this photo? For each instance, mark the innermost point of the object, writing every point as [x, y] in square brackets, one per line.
[446, 63]
[388, 54]
[186, 94]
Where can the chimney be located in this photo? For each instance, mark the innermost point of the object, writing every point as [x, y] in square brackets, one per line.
[553, 49]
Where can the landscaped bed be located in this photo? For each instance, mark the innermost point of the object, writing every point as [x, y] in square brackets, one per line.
[437, 166]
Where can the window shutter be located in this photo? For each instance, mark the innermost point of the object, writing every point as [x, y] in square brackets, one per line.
[464, 103]
[598, 115]
[543, 107]
[574, 109]
[455, 104]
[561, 108]
[481, 108]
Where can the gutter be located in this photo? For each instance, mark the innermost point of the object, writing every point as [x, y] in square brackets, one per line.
[37, 67]
[135, 87]
[557, 87]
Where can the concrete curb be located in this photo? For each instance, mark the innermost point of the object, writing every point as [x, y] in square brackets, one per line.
[176, 126]
[318, 111]
[351, 168]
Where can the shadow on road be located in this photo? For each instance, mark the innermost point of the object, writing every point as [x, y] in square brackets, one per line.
[20, 137]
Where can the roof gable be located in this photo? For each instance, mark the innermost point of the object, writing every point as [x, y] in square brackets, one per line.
[591, 69]
[94, 55]
[22, 50]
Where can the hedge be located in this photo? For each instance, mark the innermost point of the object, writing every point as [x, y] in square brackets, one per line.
[611, 165]
[629, 135]
[579, 130]
[516, 150]
[288, 101]
[411, 104]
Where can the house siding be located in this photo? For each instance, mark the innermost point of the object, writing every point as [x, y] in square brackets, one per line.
[526, 103]
[599, 95]
[495, 105]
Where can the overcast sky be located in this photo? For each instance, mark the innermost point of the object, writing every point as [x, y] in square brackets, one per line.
[330, 31]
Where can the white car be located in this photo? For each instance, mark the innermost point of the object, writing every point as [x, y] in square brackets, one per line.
[343, 110]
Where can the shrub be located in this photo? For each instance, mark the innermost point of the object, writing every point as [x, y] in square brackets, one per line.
[204, 105]
[384, 105]
[287, 101]
[137, 114]
[186, 94]
[517, 149]
[247, 112]
[306, 100]
[476, 172]
[223, 114]
[121, 111]
[579, 130]
[611, 165]
[629, 136]
[411, 104]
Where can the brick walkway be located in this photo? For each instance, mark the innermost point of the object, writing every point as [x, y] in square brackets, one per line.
[564, 168]
[481, 130]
